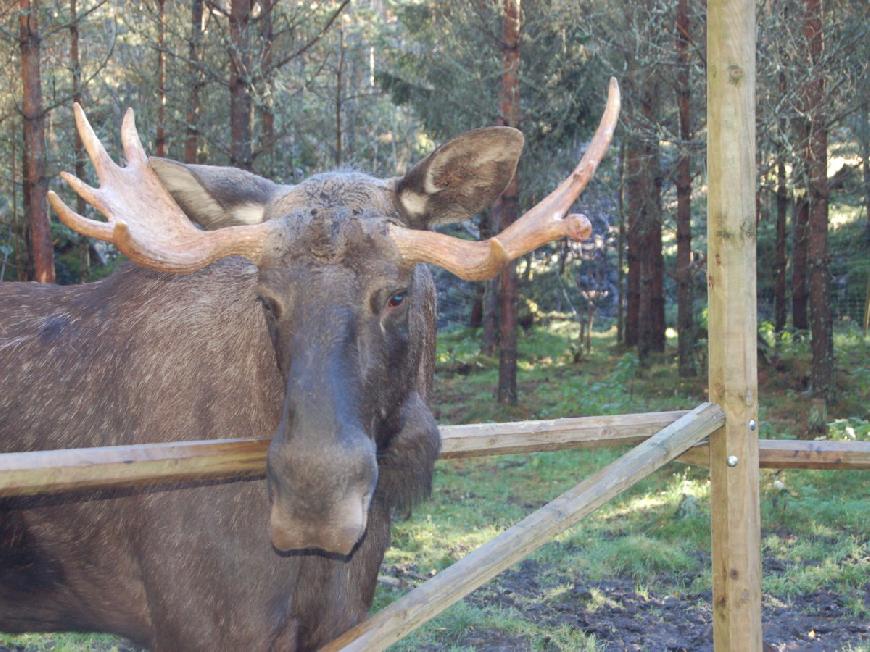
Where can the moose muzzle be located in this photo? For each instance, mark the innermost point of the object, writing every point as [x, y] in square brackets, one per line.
[321, 494]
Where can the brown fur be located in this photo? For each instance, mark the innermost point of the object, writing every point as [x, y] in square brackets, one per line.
[146, 357]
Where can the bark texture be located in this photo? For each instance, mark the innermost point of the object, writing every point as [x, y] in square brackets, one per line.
[817, 246]
[194, 51]
[160, 140]
[620, 250]
[633, 193]
[651, 303]
[267, 112]
[240, 94]
[489, 343]
[76, 70]
[35, 182]
[508, 204]
[685, 321]
[339, 86]
[780, 308]
[799, 285]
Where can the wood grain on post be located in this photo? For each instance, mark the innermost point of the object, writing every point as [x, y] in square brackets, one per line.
[736, 533]
[484, 563]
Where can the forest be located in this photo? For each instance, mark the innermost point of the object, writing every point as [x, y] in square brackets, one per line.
[613, 324]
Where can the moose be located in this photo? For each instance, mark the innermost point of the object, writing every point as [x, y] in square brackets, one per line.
[250, 308]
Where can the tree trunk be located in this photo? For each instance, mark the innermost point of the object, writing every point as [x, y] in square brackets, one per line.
[76, 71]
[475, 315]
[36, 184]
[160, 140]
[21, 254]
[191, 141]
[817, 249]
[267, 113]
[658, 335]
[339, 74]
[799, 289]
[489, 341]
[590, 321]
[240, 93]
[620, 250]
[781, 256]
[632, 185]
[508, 204]
[84, 244]
[633, 194]
[865, 159]
[780, 310]
[650, 318]
[685, 317]
[799, 286]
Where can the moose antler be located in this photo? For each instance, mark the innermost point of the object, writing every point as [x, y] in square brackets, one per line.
[478, 261]
[145, 223]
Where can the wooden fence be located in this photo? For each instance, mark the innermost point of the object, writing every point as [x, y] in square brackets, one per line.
[659, 438]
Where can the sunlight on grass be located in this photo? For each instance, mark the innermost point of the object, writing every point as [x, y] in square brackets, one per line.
[63, 642]
[658, 533]
[599, 601]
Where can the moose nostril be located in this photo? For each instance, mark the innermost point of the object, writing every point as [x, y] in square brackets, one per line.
[347, 539]
[340, 542]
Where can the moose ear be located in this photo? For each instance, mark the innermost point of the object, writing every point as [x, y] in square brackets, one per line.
[214, 196]
[460, 178]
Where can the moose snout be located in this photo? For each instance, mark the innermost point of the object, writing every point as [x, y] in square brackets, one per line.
[320, 495]
[337, 532]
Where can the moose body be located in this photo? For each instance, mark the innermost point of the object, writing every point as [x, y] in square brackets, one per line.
[138, 358]
[322, 335]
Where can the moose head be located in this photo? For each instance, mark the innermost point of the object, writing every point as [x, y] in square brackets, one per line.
[338, 280]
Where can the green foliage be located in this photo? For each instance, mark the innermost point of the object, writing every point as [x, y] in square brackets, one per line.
[454, 87]
[64, 643]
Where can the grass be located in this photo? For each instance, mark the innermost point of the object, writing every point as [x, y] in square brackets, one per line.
[63, 642]
[816, 525]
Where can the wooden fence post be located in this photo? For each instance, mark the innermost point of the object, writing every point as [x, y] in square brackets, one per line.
[736, 535]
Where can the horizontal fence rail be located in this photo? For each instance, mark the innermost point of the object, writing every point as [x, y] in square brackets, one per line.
[481, 565]
[798, 454]
[108, 467]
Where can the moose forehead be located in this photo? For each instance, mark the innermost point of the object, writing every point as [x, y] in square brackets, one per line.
[353, 191]
[338, 218]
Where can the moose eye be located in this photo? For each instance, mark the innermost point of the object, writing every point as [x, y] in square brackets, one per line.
[270, 306]
[396, 299]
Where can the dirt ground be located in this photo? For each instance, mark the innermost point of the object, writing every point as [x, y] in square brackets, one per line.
[622, 619]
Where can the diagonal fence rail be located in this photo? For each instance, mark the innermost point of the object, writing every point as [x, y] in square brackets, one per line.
[450, 585]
